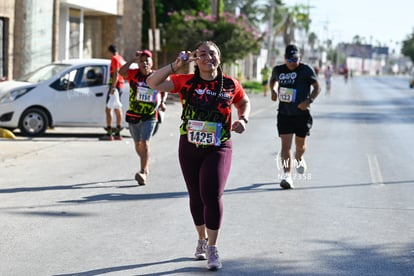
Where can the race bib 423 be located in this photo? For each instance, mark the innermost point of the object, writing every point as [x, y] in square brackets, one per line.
[287, 95]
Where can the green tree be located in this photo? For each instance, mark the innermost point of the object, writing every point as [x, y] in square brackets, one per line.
[250, 8]
[286, 20]
[274, 14]
[283, 21]
[163, 8]
[233, 34]
[297, 19]
[358, 40]
[408, 47]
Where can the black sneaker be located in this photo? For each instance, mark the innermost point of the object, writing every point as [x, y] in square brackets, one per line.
[287, 182]
[141, 178]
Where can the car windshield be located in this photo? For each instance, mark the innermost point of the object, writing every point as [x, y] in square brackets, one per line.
[44, 73]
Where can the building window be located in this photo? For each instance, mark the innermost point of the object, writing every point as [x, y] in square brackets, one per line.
[74, 33]
[3, 48]
[92, 45]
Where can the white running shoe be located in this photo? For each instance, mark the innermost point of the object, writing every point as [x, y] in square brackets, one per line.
[213, 259]
[201, 250]
[287, 182]
[301, 166]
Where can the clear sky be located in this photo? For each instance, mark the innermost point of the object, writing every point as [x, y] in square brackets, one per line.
[387, 22]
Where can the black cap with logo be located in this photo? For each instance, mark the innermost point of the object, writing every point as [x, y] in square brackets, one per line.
[291, 52]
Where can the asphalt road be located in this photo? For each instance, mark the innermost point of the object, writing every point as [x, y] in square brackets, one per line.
[69, 204]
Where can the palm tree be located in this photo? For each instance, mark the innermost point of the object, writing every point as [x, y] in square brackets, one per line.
[286, 21]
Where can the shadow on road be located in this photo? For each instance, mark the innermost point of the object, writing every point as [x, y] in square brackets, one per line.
[256, 187]
[67, 133]
[335, 258]
[134, 266]
[88, 185]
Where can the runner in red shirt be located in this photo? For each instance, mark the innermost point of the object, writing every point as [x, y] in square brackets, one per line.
[116, 82]
[144, 107]
[205, 147]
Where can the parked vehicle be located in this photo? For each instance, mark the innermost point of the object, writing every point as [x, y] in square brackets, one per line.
[70, 93]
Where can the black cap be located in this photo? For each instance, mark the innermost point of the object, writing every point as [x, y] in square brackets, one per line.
[112, 49]
[291, 52]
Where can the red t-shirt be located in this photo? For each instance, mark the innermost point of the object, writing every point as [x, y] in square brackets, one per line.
[203, 102]
[116, 63]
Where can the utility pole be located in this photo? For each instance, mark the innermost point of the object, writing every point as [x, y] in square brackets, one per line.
[153, 27]
[270, 36]
[55, 28]
[215, 9]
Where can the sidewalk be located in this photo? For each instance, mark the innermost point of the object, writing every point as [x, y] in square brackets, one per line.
[13, 148]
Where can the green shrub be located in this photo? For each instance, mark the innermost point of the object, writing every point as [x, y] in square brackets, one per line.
[252, 86]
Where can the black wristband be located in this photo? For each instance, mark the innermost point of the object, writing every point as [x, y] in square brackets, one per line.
[172, 68]
[244, 119]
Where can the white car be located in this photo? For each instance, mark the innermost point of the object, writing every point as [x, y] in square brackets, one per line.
[70, 93]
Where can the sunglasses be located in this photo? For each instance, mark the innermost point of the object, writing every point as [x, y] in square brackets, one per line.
[292, 59]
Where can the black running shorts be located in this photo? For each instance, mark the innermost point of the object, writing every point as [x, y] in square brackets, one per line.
[299, 125]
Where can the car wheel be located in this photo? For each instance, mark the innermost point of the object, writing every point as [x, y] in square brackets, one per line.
[33, 122]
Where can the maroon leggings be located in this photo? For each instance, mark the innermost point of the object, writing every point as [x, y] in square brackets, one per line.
[205, 171]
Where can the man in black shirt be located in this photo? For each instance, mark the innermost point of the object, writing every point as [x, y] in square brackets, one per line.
[296, 86]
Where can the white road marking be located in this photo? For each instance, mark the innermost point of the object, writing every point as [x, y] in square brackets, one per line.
[375, 170]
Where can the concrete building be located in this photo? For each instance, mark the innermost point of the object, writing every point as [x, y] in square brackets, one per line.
[37, 32]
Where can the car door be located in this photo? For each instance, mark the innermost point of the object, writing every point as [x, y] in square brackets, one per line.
[81, 97]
